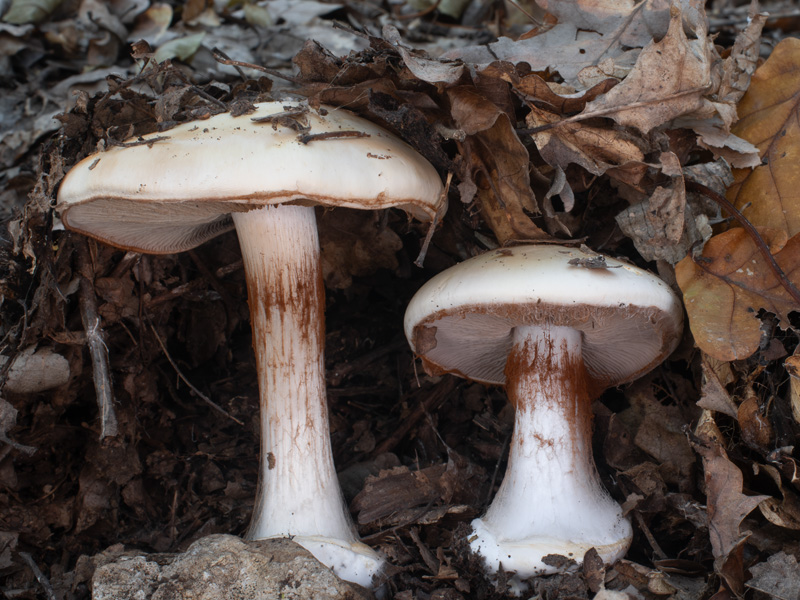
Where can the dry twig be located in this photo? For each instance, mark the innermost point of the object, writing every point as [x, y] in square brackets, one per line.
[101, 374]
[205, 398]
[40, 577]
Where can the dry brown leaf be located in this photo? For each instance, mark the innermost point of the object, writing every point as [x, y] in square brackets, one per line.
[739, 153]
[601, 37]
[635, 22]
[768, 117]
[94, 497]
[120, 300]
[534, 87]
[500, 164]
[396, 489]
[661, 435]
[669, 80]
[756, 428]
[36, 370]
[792, 366]
[742, 61]
[593, 148]
[714, 396]
[725, 287]
[564, 48]
[733, 75]
[426, 69]
[727, 505]
[785, 512]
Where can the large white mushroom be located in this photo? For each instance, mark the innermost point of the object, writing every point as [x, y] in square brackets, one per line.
[171, 192]
[555, 334]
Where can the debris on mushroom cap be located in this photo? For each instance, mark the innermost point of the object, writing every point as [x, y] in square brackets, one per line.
[178, 190]
[462, 320]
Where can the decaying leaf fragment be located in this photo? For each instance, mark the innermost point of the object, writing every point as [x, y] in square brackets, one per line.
[588, 41]
[769, 195]
[778, 577]
[716, 375]
[35, 371]
[8, 419]
[29, 11]
[727, 506]
[662, 227]
[500, 166]
[433, 71]
[725, 287]
[784, 512]
[660, 433]
[670, 78]
[735, 76]
[595, 149]
[792, 366]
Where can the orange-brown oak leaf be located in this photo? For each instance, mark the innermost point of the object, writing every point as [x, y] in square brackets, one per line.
[724, 289]
[769, 195]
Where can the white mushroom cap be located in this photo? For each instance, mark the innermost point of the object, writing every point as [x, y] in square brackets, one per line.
[178, 191]
[462, 320]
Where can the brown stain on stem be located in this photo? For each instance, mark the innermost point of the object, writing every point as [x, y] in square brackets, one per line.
[562, 378]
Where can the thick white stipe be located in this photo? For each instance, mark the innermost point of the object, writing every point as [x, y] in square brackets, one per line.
[551, 500]
[299, 494]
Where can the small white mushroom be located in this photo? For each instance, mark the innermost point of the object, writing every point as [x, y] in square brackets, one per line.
[556, 334]
[173, 191]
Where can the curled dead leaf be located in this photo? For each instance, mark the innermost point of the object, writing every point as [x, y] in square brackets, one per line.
[783, 512]
[670, 78]
[714, 396]
[663, 226]
[596, 149]
[500, 166]
[727, 508]
[426, 69]
[792, 366]
[756, 428]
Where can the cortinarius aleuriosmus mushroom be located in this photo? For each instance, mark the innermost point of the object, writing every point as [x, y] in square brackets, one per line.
[173, 191]
[555, 334]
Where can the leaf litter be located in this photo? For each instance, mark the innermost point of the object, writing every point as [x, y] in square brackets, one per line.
[585, 127]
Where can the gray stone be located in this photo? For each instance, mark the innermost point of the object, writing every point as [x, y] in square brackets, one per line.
[223, 567]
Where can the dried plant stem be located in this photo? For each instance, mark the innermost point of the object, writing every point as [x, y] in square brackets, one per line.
[786, 283]
[223, 59]
[205, 398]
[435, 399]
[40, 577]
[190, 286]
[432, 227]
[520, 8]
[101, 374]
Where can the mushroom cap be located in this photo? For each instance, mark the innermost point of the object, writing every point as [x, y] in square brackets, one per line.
[462, 320]
[178, 190]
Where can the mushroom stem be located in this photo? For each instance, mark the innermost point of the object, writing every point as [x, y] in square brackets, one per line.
[298, 492]
[551, 500]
